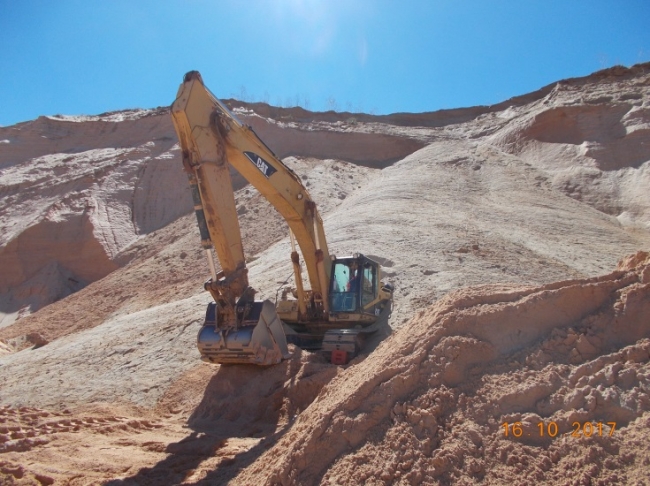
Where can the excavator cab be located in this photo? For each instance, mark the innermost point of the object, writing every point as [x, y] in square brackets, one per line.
[354, 285]
[356, 296]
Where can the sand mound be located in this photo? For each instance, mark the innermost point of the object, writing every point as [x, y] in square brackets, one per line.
[428, 405]
[613, 134]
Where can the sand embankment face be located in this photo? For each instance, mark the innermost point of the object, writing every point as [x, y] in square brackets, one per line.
[79, 191]
[75, 193]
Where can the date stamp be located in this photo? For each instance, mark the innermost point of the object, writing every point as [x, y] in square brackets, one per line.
[551, 429]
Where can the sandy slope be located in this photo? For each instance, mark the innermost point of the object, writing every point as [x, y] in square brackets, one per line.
[531, 202]
[429, 403]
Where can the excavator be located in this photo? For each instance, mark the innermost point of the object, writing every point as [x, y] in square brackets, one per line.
[345, 300]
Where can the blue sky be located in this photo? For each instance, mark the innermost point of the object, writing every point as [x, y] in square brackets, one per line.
[382, 56]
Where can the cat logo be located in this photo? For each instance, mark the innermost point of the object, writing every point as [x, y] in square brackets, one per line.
[265, 168]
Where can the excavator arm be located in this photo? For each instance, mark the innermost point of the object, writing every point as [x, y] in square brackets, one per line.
[211, 138]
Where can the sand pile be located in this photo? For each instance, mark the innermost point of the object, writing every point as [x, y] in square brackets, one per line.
[95, 443]
[428, 405]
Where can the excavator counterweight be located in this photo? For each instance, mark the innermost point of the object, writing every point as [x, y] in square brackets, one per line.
[345, 300]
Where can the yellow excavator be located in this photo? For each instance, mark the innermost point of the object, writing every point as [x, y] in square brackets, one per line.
[346, 301]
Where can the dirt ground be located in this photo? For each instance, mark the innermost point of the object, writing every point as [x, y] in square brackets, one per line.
[516, 237]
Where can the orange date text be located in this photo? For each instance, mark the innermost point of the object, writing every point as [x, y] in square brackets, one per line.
[551, 429]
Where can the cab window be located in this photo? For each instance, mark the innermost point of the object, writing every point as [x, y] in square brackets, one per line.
[369, 284]
[345, 287]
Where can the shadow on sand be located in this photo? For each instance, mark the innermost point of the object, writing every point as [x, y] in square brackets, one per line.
[245, 402]
[250, 406]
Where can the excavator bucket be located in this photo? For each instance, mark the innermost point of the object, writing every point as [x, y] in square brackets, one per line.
[259, 340]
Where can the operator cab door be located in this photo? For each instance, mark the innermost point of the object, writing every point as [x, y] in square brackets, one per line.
[354, 285]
